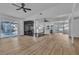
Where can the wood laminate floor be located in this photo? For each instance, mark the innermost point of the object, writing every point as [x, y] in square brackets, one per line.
[52, 44]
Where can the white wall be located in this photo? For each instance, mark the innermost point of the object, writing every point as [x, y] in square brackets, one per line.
[75, 25]
[75, 28]
[20, 27]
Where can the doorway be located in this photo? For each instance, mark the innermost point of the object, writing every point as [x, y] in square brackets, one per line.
[28, 28]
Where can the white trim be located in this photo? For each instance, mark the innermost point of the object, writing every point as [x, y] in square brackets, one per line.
[72, 16]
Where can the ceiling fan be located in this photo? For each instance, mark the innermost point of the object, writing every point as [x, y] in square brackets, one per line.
[22, 7]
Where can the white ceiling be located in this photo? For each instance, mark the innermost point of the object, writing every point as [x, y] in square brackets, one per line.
[53, 12]
[9, 9]
[48, 9]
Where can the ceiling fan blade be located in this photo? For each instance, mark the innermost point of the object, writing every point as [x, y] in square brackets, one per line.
[28, 9]
[15, 5]
[24, 10]
[19, 8]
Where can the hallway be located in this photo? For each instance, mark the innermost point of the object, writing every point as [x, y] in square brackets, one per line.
[55, 44]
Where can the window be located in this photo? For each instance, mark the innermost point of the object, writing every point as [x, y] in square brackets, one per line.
[8, 28]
